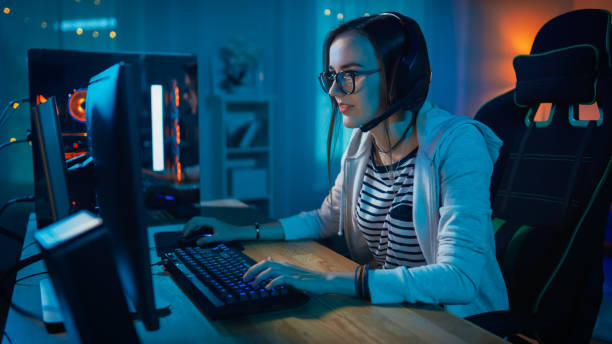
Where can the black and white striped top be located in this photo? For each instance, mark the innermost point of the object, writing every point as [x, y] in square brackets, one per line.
[384, 213]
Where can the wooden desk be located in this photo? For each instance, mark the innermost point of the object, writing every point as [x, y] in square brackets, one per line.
[324, 319]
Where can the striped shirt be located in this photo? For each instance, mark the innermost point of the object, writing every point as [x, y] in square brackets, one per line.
[384, 213]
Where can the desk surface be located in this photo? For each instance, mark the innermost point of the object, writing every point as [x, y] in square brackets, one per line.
[327, 318]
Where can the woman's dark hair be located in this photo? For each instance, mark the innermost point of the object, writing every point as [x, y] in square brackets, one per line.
[388, 34]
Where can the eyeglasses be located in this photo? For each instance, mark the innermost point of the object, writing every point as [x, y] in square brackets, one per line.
[346, 79]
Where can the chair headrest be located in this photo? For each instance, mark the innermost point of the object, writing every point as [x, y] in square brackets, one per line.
[589, 26]
[563, 76]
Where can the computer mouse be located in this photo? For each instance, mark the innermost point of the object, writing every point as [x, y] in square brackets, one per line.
[191, 239]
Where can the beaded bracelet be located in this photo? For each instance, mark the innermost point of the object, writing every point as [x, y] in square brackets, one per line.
[366, 289]
[361, 281]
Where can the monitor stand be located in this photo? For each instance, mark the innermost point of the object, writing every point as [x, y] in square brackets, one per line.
[52, 312]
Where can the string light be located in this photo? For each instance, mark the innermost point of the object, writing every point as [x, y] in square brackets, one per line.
[112, 34]
[366, 14]
[79, 31]
[95, 34]
[96, 2]
[6, 10]
[340, 16]
[327, 12]
[43, 25]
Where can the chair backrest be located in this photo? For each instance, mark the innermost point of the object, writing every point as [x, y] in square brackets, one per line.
[550, 190]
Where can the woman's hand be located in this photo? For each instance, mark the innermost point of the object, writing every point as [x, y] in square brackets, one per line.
[222, 232]
[286, 273]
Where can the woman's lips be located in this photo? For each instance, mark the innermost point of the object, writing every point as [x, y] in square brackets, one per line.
[344, 107]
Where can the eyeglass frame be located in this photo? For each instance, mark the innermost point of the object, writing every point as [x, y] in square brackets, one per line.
[353, 74]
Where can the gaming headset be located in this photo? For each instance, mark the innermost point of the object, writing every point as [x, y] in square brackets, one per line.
[411, 74]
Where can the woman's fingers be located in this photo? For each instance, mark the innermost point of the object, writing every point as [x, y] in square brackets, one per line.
[207, 239]
[279, 281]
[257, 268]
[268, 273]
[191, 224]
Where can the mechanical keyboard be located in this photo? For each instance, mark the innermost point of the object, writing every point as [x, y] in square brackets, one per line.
[212, 278]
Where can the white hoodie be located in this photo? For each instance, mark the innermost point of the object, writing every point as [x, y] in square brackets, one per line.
[451, 214]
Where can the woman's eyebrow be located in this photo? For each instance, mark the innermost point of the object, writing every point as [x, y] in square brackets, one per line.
[347, 65]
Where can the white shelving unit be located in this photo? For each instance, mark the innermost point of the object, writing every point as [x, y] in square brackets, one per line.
[242, 168]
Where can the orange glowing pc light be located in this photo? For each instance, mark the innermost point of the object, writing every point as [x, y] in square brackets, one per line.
[76, 105]
[40, 99]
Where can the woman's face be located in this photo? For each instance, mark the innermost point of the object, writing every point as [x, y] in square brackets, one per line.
[352, 51]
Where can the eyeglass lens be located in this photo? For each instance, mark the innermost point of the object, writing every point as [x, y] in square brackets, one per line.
[345, 80]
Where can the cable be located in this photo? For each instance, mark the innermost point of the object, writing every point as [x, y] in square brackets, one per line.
[30, 276]
[20, 265]
[8, 143]
[28, 246]
[7, 337]
[4, 114]
[5, 292]
[11, 234]
[29, 198]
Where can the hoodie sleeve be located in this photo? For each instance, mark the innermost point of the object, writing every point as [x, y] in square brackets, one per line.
[319, 223]
[465, 232]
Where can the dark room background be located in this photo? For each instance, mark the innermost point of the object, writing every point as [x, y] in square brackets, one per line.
[471, 45]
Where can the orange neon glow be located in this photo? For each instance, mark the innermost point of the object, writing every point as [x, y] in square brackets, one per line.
[75, 134]
[518, 29]
[179, 175]
[585, 112]
[588, 112]
[511, 31]
[76, 105]
[73, 155]
[543, 112]
[177, 130]
[176, 94]
[40, 99]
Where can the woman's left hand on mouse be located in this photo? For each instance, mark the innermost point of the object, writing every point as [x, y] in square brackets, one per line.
[222, 231]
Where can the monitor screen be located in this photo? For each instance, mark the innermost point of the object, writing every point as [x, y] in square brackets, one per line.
[114, 104]
[52, 201]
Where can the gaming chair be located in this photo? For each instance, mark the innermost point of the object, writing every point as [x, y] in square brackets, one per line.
[550, 189]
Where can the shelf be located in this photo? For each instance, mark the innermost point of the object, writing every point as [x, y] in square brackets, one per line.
[247, 150]
[228, 114]
[252, 199]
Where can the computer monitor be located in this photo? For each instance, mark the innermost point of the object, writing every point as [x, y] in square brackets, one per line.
[52, 201]
[114, 103]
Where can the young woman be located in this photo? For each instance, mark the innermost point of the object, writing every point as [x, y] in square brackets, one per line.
[412, 196]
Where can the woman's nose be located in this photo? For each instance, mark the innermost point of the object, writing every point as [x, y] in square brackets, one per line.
[335, 90]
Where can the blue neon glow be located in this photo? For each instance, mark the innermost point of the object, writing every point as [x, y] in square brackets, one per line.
[87, 24]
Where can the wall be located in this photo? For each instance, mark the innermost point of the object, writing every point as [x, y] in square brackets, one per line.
[471, 46]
